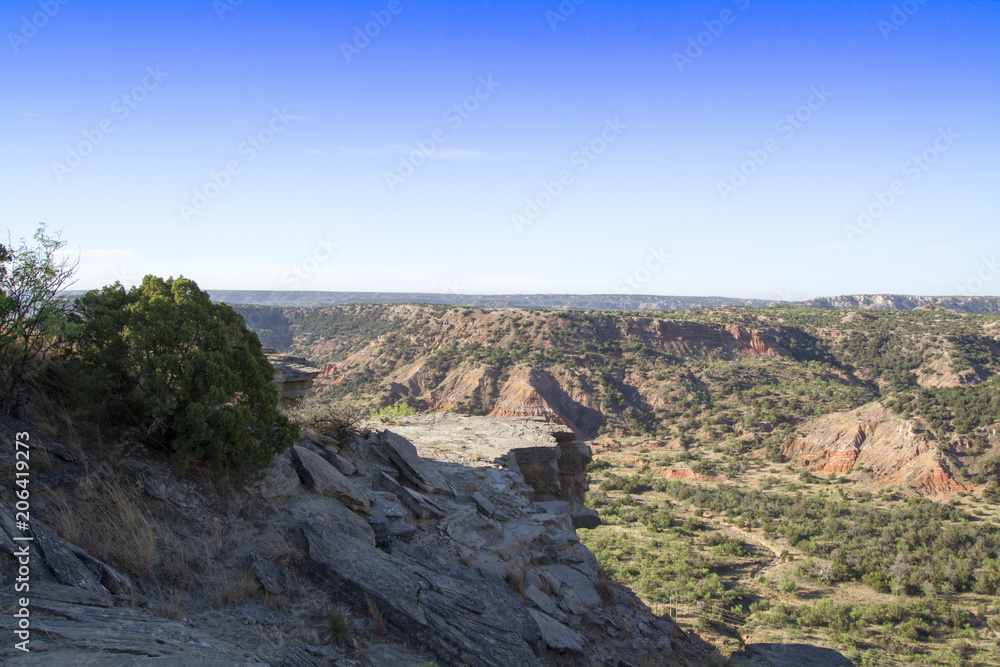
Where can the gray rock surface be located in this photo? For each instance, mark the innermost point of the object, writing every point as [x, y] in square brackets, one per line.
[391, 655]
[270, 576]
[257, 615]
[280, 481]
[423, 602]
[486, 578]
[403, 455]
[323, 479]
[556, 635]
[160, 483]
[334, 515]
[795, 655]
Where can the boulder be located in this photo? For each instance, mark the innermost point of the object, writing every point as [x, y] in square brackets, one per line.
[403, 455]
[391, 655]
[323, 479]
[160, 484]
[540, 469]
[281, 480]
[580, 583]
[795, 655]
[496, 629]
[483, 504]
[336, 516]
[543, 602]
[270, 576]
[556, 635]
[387, 519]
[421, 506]
[585, 518]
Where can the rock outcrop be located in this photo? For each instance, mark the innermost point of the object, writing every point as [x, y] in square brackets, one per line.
[896, 451]
[293, 377]
[460, 564]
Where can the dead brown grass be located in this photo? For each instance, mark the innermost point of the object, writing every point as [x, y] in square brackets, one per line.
[184, 569]
[232, 588]
[379, 626]
[110, 521]
[515, 579]
[606, 590]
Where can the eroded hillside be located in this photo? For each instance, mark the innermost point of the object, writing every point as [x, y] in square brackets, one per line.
[752, 381]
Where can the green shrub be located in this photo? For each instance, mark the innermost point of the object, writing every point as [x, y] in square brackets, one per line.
[390, 413]
[164, 359]
[339, 624]
[32, 279]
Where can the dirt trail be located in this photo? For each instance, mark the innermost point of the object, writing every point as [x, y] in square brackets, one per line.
[775, 549]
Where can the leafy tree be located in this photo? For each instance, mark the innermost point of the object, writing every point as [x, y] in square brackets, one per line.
[32, 278]
[186, 371]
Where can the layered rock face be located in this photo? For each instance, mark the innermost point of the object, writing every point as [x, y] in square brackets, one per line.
[559, 395]
[896, 451]
[557, 472]
[466, 564]
[293, 377]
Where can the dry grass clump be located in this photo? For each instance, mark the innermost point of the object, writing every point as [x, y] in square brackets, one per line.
[515, 579]
[110, 521]
[183, 569]
[378, 618]
[606, 590]
[233, 588]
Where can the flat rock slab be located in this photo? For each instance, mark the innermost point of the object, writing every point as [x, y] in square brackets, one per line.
[270, 576]
[795, 655]
[484, 504]
[543, 602]
[159, 484]
[426, 604]
[578, 581]
[323, 479]
[404, 456]
[336, 516]
[281, 481]
[391, 655]
[556, 635]
[256, 614]
[118, 636]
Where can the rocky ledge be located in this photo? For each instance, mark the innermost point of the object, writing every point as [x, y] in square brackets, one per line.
[457, 561]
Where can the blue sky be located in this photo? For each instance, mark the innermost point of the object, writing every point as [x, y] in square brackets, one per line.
[747, 148]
